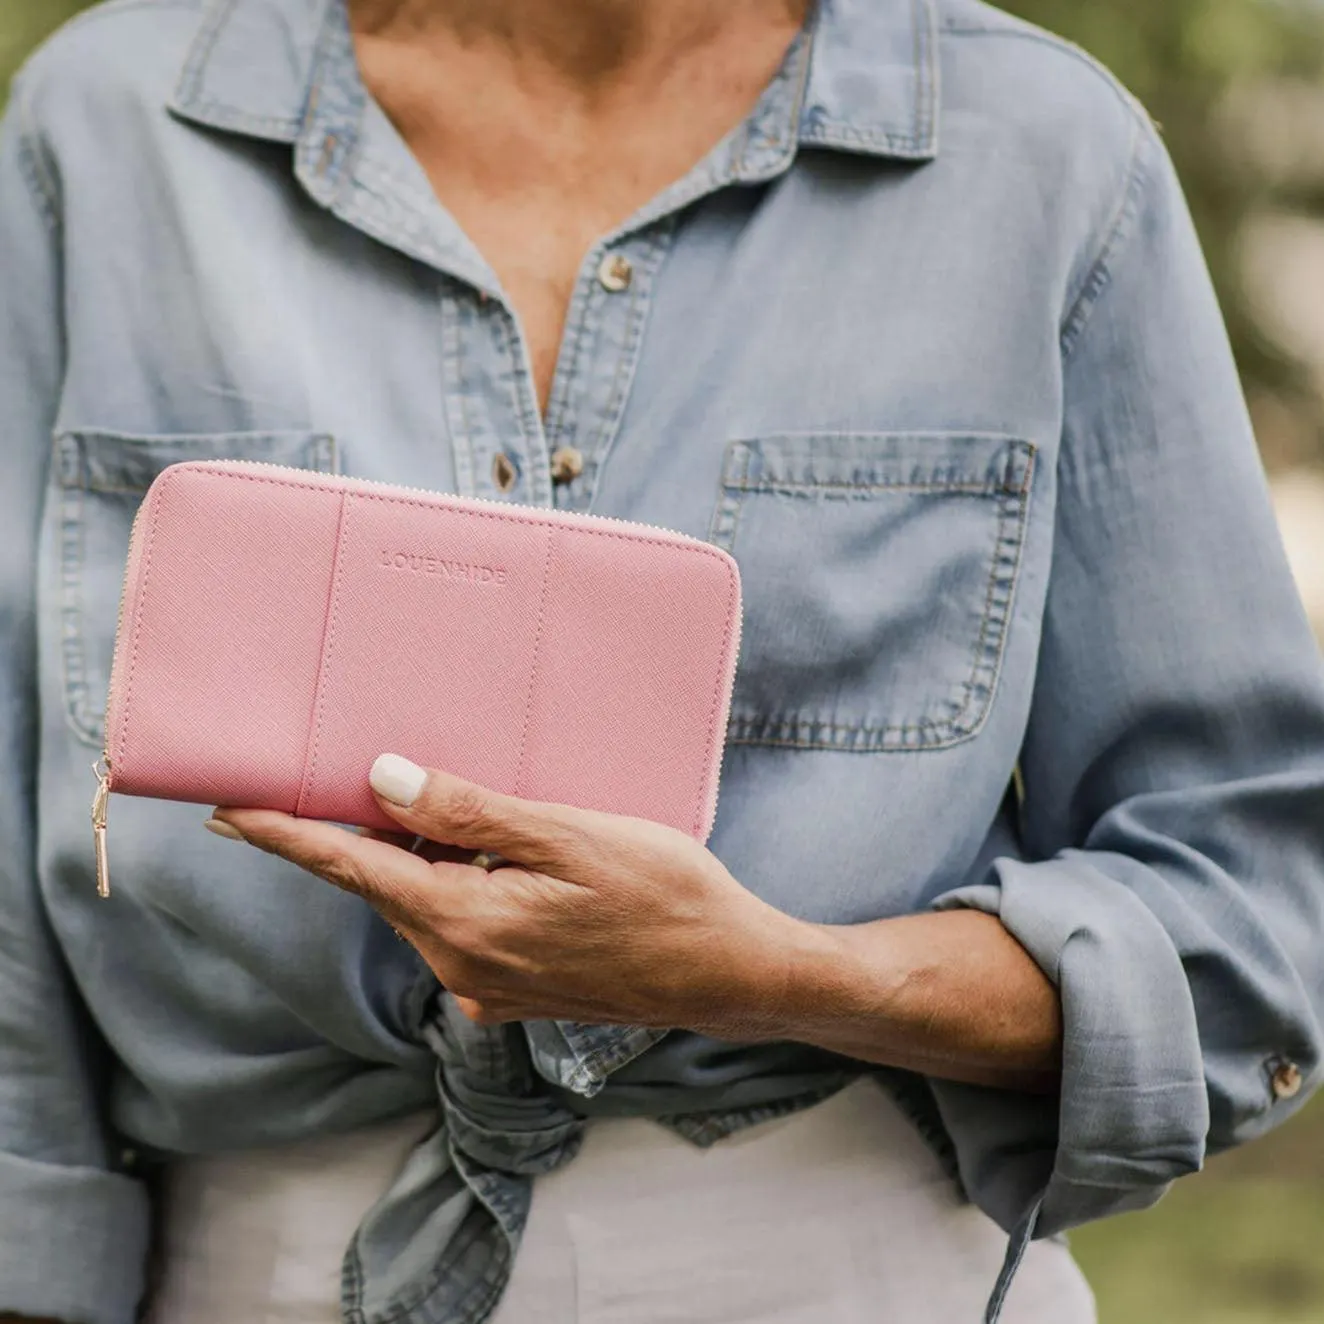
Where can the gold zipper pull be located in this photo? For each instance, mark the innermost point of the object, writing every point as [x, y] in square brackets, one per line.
[99, 826]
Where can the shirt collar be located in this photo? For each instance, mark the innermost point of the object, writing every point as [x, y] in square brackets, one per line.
[873, 85]
[283, 70]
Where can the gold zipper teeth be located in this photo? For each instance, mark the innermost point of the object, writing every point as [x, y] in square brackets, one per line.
[115, 657]
[103, 771]
[637, 525]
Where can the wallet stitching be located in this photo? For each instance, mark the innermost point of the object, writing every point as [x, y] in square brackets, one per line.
[140, 597]
[709, 806]
[696, 547]
[537, 661]
[314, 741]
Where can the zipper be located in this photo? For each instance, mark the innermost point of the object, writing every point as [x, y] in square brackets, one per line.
[380, 485]
[102, 767]
[102, 772]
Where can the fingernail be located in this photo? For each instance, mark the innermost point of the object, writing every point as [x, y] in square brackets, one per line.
[396, 779]
[222, 829]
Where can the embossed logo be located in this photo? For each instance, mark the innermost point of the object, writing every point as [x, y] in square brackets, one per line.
[459, 572]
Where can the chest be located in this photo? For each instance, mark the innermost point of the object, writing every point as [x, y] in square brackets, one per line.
[535, 180]
[535, 240]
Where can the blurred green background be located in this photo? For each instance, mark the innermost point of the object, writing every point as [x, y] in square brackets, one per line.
[1238, 87]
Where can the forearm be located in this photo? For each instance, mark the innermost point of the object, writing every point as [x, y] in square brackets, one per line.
[949, 994]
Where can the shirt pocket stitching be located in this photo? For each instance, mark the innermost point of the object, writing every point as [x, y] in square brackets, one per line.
[76, 478]
[1011, 490]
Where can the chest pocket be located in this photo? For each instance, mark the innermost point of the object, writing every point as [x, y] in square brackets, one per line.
[102, 478]
[879, 575]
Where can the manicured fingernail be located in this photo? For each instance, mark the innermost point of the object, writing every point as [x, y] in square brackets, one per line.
[222, 829]
[396, 779]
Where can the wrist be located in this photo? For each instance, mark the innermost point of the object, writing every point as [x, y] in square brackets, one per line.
[841, 988]
[794, 979]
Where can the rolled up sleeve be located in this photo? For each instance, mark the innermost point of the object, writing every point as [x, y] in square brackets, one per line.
[1169, 873]
[73, 1229]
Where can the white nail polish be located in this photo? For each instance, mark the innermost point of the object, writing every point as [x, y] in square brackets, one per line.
[222, 829]
[397, 780]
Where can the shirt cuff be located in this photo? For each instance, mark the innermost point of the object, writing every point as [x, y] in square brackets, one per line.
[73, 1242]
[1133, 1112]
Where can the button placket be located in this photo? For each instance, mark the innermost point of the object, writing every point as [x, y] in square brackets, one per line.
[498, 454]
[604, 331]
[515, 382]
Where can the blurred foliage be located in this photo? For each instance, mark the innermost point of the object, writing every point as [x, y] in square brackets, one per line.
[1244, 1252]
[23, 23]
[1187, 60]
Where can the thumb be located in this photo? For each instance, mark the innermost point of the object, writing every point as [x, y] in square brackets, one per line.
[455, 812]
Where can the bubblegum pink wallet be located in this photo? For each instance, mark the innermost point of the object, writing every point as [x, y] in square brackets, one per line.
[280, 629]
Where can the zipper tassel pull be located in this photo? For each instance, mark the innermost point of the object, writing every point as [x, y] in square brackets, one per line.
[99, 826]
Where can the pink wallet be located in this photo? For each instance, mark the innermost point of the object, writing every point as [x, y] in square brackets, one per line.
[280, 629]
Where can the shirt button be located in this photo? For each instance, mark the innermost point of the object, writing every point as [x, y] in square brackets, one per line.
[567, 464]
[504, 473]
[1287, 1081]
[615, 273]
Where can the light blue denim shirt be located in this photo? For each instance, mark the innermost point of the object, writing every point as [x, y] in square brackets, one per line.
[928, 344]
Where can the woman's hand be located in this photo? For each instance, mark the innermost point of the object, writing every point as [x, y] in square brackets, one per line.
[609, 920]
[588, 916]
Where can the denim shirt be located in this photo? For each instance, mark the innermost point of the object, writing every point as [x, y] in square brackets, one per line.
[927, 343]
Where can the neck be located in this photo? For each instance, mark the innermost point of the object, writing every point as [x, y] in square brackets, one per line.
[587, 43]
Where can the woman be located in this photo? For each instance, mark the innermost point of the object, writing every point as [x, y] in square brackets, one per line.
[899, 302]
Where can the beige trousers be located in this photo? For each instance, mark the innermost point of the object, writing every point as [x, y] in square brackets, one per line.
[837, 1215]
